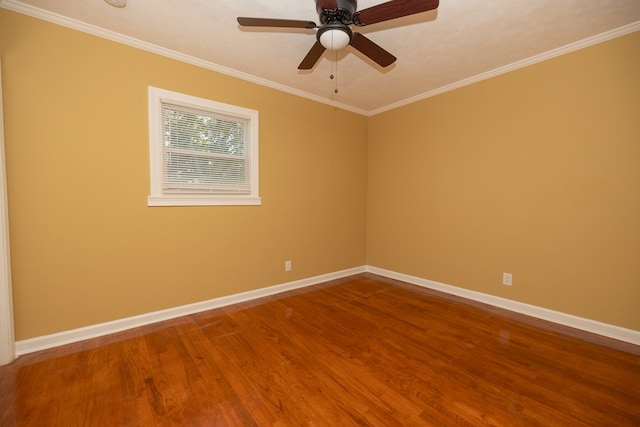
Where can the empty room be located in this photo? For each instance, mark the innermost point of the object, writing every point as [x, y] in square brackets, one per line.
[319, 213]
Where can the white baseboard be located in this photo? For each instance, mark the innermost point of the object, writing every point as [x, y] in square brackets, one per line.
[599, 328]
[66, 337]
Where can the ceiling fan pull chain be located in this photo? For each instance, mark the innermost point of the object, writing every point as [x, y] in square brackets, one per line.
[335, 75]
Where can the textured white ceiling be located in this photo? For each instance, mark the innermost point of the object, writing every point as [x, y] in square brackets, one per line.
[460, 42]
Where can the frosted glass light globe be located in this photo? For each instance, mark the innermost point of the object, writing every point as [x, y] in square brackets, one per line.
[334, 39]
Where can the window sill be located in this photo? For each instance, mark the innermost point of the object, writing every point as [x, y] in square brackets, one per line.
[204, 201]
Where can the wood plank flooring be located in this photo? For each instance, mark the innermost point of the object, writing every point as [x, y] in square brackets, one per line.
[360, 351]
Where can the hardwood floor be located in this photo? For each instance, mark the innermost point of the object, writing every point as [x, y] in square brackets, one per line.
[361, 351]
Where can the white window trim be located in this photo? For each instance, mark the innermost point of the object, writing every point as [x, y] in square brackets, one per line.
[157, 198]
[7, 338]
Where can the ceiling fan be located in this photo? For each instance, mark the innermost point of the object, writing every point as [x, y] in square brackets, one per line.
[336, 18]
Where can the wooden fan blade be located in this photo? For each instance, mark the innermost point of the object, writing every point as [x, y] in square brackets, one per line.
[280, 23]
[327, 4]
[312, 57]
[372, 50]
[392, 10]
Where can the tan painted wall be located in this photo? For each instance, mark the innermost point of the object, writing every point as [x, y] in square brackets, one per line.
[536, 173]
[86, 248]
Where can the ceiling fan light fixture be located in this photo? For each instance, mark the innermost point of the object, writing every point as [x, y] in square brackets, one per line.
[336, 18]
[335, 38]
[117, 3]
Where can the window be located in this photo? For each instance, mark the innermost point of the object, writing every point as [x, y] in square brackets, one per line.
[202, 152]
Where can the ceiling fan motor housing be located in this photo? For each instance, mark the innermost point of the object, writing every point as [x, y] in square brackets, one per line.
[343, 13]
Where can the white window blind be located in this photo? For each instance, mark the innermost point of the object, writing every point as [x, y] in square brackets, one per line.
[202, 152]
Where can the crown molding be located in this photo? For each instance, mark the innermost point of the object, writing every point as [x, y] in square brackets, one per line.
[35, 12]
[45, 15]
[572, 47]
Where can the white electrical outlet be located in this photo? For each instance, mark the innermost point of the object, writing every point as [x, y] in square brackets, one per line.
[507, 279]
[287, 265]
